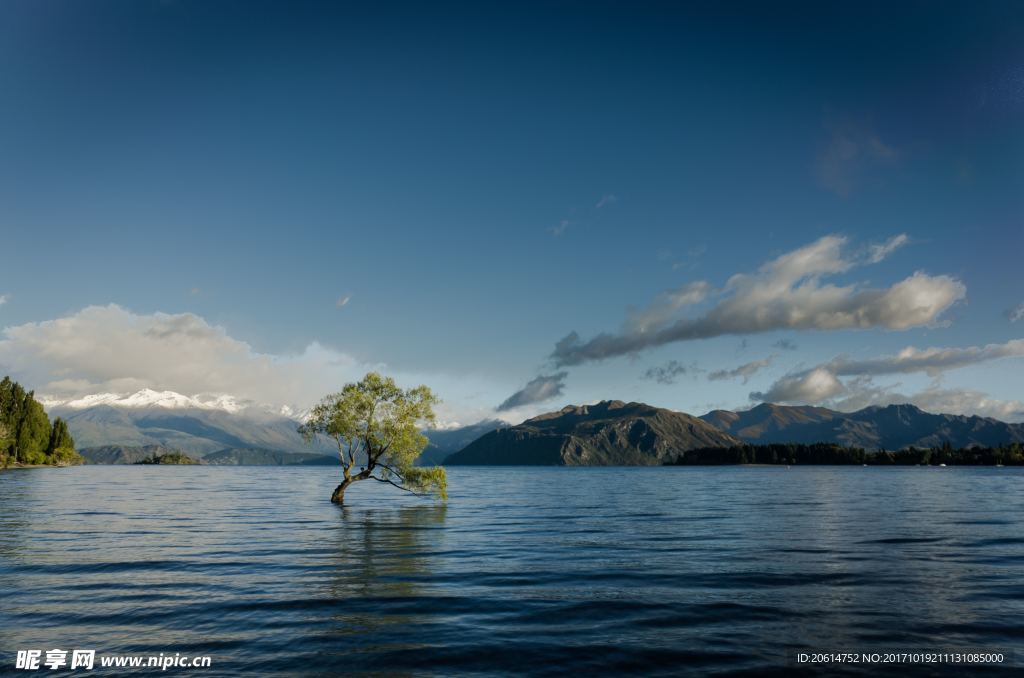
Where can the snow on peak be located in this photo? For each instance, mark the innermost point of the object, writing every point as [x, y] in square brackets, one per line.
[148, 397]
[447, 425]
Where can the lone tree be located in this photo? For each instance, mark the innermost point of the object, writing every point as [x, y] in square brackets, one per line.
[377, 425]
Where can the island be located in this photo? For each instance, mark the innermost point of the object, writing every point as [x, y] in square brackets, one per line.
[171, 458]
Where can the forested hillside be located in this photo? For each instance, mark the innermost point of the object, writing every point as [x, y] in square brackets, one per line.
[26, 435]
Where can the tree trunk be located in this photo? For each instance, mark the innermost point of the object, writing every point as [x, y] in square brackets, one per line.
[339, 492]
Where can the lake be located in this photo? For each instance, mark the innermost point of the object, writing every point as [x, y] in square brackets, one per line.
[674, 571]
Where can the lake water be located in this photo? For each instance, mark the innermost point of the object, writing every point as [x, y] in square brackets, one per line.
[675, 571]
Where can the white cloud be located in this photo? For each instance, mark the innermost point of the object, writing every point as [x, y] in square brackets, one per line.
[110, 350]
[560, 228]
[1017, 314]
[813, 386]
[3, 299]
[664, 308]
[931, 361]
[746, 371]
[107, 349]
[785, 293]
[113, 351]
[606, 199]
[965, 401]
[539, 389]
[862, 392]
[343, 301]
[877, 253]
[821, 385]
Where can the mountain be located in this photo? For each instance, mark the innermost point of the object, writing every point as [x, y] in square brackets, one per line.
[232, 456]
[890, 427]
[610, 433]
[444, 443]
[190, 425]
[767, 421]
[123, 429]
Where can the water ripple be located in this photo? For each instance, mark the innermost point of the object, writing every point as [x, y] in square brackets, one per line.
[728, 571]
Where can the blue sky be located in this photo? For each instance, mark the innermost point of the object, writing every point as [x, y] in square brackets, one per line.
[480, 180]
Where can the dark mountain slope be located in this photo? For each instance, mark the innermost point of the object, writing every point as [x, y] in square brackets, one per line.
[447, 442]
[890, 427]
[768, 422]
[609, 433]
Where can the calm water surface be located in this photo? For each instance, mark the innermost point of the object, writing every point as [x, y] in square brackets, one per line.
[676, 571]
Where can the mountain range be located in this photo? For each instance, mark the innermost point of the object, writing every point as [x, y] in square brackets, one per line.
[617, 433]
[111, 428]
[195, 426]
[891, 427]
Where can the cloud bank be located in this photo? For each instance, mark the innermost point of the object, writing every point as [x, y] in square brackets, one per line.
[108, 349]
[111, 350]
[787, 293]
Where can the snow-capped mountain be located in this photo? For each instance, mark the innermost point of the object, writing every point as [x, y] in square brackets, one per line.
[197, 424]
[149, 398]
[205, 424]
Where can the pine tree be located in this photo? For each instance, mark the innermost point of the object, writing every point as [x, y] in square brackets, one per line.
[60, 438]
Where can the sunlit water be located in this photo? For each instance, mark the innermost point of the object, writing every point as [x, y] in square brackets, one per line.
[728, 570]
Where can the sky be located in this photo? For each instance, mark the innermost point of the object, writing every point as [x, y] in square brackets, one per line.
[522, 205]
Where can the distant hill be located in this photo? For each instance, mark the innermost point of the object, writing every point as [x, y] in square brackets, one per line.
[890, 427]
[606, 434]
[444, 443]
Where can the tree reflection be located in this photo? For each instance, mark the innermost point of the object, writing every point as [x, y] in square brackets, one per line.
[382, 581]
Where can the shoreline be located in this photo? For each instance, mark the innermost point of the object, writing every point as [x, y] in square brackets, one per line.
[22, 466]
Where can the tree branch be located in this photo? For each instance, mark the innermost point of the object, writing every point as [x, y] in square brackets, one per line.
[399, 475]
[406, 489]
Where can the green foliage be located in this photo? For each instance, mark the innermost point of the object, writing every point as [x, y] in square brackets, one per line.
[378, 424]
[26, 436]
[60, 438]
[828, 453]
